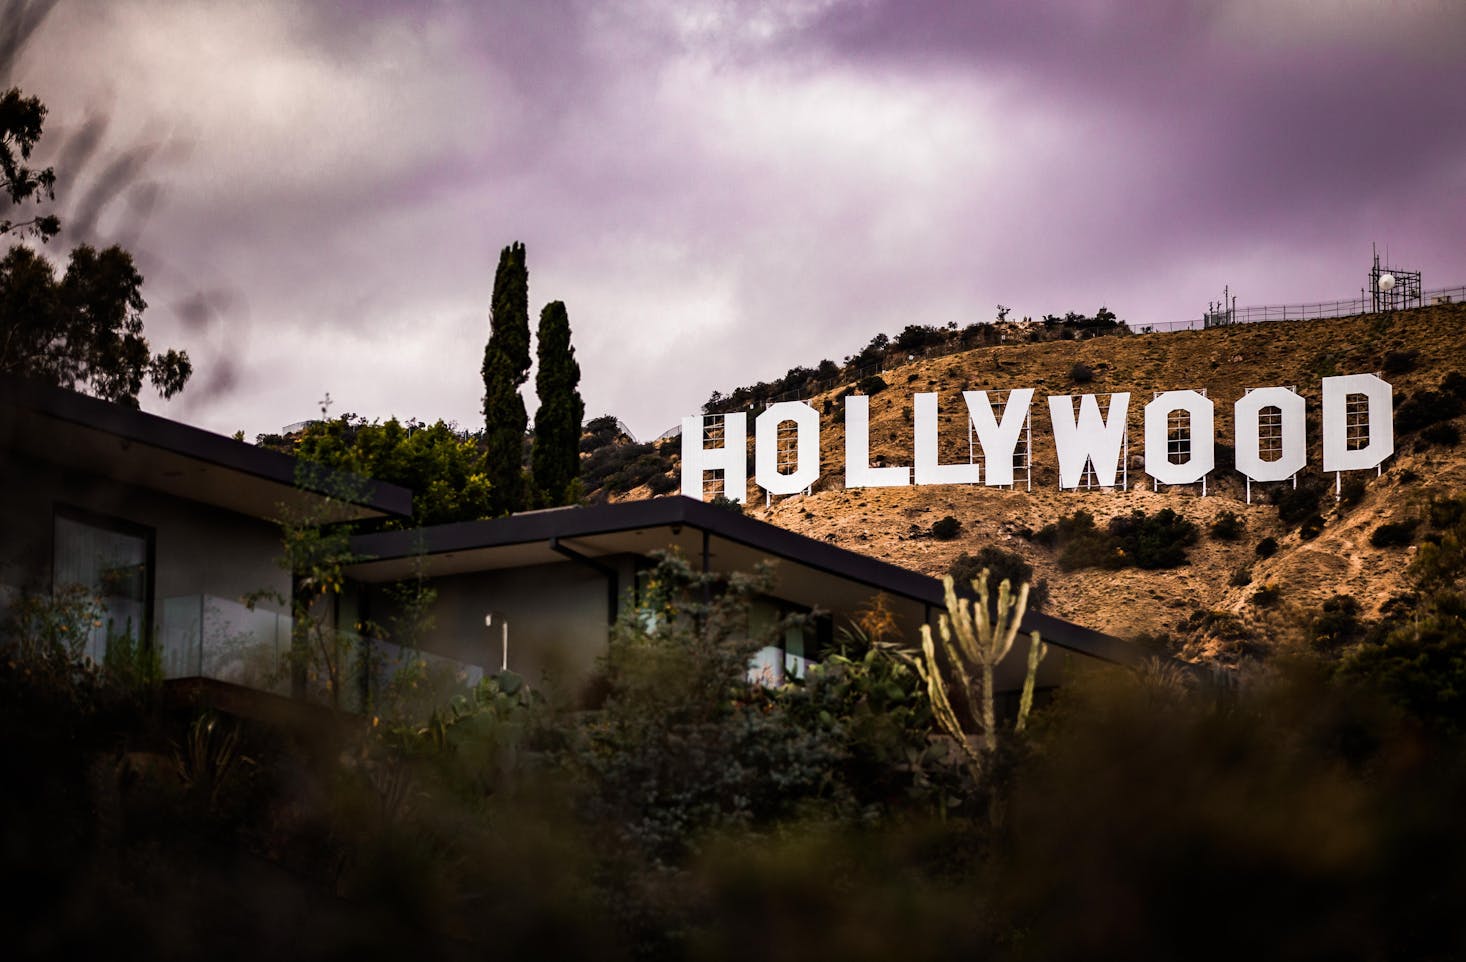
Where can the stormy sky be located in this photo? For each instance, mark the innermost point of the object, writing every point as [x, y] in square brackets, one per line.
[317, 193]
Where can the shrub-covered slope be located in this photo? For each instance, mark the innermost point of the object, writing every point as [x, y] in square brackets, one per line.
[1228, 595]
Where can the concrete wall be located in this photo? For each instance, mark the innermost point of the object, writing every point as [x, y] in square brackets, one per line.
[558, 615]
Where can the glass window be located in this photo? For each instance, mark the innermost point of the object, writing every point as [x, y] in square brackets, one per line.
[109, 564]
[792, 655]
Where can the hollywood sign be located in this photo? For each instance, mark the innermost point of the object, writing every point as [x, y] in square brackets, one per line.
[1357, 426]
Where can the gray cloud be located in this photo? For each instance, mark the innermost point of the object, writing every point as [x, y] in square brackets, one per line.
[721, 190]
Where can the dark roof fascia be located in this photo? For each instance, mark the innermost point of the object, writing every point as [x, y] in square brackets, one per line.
[140, 427]
[655, 512]
[779, 542]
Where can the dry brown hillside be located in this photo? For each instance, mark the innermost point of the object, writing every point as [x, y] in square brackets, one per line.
[1198, 607]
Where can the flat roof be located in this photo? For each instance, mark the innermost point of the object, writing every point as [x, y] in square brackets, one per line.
[130, 446]
[820, 570]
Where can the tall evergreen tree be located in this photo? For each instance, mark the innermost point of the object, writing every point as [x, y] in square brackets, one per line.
[506, 367]
[555, 460]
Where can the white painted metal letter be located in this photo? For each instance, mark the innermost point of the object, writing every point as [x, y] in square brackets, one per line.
[731, 458]
[999, 440]
[1202, 438]
[858, 472]
[766, 447]
[1092, 437]
[1292, 434]
[1380, 426]
[929, 469]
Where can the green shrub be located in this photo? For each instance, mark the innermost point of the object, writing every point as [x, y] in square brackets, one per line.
[1298, 504]
[1311, 527]
[1228, 526]
[1002, 566]
[1081, 373]
[1399, 362]
[1444, 434]
[1395, 534]
[1337, 624]
[1138, 540]
[660, 484]
[1267, 547]
[1446, 512]
[872, 384]
[1426, 407]
[1267, 596]
[1080, 544]
[945, 529]
[1241, 578]
[1352, 491]
[1155, 541]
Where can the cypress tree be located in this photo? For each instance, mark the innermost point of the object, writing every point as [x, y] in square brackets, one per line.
[555, 459]
[506, 367]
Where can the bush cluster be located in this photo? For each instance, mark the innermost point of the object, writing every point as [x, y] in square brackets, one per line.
[883, 351]
[1002, 566]
[1337, 625]
[1134, 540]
[1431, 406]
[1267, 596]
[945, 528]
[1399, 362]
[1394, 534]
[1228, 526]
[1299, 504]
[618, 464]
[872, 384]
[1444, 434]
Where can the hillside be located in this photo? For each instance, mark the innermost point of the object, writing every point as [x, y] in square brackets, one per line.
[1202, 609]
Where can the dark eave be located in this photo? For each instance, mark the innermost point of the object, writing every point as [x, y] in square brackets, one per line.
[772, 541]
[54, 424]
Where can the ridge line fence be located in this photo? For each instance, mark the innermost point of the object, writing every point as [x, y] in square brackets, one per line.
[1241, 315]
[1301, 312]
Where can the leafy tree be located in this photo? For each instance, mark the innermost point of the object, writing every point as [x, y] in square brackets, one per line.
[685, 741]
[20, 127]
[555, 459]
[443, 468]
[84, 330]
[505, 369]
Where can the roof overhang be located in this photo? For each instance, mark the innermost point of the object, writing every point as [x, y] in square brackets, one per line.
[128, 446]
[807, 570]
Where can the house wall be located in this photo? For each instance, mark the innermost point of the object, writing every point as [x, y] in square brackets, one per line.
[558, 619]
[197, 549]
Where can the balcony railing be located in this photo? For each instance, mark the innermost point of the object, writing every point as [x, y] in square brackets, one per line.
[204, 636]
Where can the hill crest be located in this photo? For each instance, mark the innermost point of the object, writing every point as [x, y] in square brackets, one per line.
[1228, 601]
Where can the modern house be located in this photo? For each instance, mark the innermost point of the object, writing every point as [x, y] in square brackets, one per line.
[559, 578]
[170, 530]
[166, 528]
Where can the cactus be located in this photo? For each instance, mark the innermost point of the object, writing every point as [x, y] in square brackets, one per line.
[975, 642]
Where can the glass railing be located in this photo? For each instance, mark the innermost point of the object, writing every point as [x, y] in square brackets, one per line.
[203, 636]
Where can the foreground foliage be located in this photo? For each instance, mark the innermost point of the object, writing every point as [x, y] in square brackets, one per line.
[688, 813]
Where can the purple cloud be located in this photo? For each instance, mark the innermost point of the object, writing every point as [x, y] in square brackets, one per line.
[721, 191]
